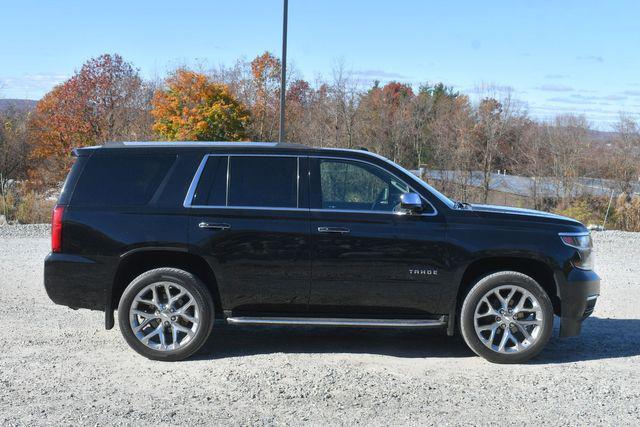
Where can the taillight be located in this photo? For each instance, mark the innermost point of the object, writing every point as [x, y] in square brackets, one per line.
[56, 229]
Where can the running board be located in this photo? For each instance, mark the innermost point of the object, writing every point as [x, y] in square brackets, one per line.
[319, 321]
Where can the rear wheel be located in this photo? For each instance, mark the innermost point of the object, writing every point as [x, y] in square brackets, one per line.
[166, 314]
[506, 317]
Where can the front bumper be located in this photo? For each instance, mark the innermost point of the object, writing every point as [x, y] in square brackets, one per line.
[579, 295]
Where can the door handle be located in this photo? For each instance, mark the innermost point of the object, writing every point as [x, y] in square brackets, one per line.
[214, 225]
[338, 230]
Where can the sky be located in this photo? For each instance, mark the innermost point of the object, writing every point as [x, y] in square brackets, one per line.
[554, 56]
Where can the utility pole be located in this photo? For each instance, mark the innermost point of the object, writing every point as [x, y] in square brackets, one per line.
[283, 76]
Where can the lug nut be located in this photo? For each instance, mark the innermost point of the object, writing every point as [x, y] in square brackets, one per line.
[166, 323]
[172, 310]
[174, 318]
[498, 318]
[503, 326]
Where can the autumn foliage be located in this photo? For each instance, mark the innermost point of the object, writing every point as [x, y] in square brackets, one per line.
[192, 108]
[101, 102]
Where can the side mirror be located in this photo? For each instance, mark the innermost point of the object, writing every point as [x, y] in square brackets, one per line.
[411, 202]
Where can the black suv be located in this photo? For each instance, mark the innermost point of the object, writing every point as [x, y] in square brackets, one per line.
[177, 236]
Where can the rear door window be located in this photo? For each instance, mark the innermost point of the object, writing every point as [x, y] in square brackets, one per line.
[263, 181]
[121, 180]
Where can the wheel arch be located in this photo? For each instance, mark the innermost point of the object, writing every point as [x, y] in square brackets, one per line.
[535, 268]
[136, 262]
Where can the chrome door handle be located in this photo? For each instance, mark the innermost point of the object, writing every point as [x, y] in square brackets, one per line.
[214, 225]
[338, 230]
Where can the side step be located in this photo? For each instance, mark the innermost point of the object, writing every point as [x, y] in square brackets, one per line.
[320, 321]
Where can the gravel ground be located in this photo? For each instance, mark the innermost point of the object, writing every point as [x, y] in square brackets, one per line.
[59, 367]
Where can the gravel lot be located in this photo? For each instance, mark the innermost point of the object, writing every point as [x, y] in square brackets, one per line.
[60, 367]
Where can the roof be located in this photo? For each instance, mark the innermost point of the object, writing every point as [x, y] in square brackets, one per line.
[218, 146]
[202, 144]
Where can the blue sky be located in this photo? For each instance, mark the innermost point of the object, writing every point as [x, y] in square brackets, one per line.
[557, 56]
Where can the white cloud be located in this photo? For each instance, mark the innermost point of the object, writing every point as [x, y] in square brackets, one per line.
[32, 86]
[555, 88]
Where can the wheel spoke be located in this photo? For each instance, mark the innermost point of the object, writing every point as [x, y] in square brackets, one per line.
[177, 297]
[143, 324]
[181, 328]
[506, 335]
[536, 322]
[144, 314]
[524, 332]
[188, 318]
[156, 299]
[152, 334]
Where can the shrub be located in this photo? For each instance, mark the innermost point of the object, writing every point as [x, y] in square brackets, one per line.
[587, 210]
[34, 208]
[627, 210]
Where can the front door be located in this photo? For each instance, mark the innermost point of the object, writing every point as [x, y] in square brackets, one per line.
[370, 259]
[247, 222]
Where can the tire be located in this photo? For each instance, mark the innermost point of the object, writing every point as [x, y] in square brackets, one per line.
[170, 306]
[486, 298]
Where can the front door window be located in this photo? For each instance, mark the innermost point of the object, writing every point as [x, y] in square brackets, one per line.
[354, 186]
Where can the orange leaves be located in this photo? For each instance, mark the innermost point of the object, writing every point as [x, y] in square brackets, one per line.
[192, 108]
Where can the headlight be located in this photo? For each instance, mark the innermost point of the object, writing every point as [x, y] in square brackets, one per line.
[584, 259]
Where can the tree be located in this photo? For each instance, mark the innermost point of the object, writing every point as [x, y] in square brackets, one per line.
[193, 108]
[265, 70]
[13, 151]
[104, 101]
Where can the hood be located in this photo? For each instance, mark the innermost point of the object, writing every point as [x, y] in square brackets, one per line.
[493, 210]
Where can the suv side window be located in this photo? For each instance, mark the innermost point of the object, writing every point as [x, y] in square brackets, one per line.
[121, 180]
[351, 185]
[263, 181]
[248, 181]
[212, 186]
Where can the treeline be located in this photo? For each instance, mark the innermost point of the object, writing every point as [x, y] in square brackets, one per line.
[430, 126]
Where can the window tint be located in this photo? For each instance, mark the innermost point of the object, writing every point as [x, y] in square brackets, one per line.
[348, 185]
[212, 186]
[121, 180]
[263, 181]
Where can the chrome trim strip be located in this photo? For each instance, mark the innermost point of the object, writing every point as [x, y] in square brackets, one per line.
[315, 321]
[592, 297]
[194, 184]
[226, 194]
[297, 182]
[261, 208]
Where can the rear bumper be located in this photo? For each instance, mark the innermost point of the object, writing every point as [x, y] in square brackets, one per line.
[75, 281]
[579, 296]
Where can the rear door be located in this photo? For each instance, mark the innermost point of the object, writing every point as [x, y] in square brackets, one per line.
[250, 220]
[369, 258]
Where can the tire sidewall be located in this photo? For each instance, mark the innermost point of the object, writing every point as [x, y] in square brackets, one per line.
[472, 299]
[187, 280]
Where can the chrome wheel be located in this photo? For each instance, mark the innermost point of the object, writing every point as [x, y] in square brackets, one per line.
[164, 316]
[508, 319]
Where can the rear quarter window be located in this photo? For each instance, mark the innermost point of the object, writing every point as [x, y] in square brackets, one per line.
[121, 180]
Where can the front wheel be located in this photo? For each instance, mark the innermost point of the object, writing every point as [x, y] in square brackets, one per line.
[506, 317]
[166, 314]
